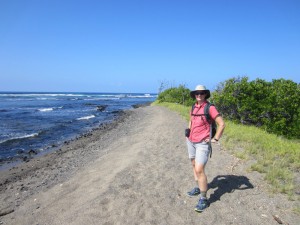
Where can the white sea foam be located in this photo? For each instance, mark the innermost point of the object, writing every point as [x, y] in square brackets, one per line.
[42, 98]
[46, 96]
[86, 117]
[99, 99]
[20, 137]
[141, 96]
[38, 95]
[45, 109]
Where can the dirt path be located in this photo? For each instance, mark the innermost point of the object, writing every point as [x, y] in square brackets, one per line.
[140, 174]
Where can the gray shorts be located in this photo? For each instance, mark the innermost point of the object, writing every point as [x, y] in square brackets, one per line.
[198, 151]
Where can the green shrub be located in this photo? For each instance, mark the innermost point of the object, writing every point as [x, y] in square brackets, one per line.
[179, 95]
[273, 106]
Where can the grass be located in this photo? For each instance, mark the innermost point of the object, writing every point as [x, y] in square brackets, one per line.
[275, 157]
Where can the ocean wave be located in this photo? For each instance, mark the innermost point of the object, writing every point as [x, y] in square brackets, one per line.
[142, 96]
[40, 95]
[49, 109]
[45, 99]
[86, 117]
[96, 99]
[45, 109]
[73, 96]
[20, 137]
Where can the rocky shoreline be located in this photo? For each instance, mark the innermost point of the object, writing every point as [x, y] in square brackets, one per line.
[39, 172]
[27, 155]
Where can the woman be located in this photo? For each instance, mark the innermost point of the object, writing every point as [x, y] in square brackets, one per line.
[199, 143]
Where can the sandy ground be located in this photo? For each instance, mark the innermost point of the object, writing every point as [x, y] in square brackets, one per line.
[136, 171]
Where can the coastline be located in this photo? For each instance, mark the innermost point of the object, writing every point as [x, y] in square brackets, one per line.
[31, 154]
[136, 171]
[33, 124]
[57, 165]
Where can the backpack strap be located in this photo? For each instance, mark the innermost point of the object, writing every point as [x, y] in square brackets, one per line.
[209, 120]
[193, 107]
[206, 112]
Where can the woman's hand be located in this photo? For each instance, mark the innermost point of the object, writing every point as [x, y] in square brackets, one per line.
[206, 140]
[214, 140]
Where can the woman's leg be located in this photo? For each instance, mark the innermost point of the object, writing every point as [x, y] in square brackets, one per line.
[201, 177]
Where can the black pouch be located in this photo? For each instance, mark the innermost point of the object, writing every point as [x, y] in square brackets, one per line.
[187, 132]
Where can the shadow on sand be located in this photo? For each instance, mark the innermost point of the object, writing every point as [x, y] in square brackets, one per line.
[227, 184]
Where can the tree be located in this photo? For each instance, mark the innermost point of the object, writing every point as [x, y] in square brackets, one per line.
[274, 106]
[179, 95]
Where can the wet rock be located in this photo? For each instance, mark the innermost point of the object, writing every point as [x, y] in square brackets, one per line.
[20, 151]
[116, 112]
[141, 105]
[26, 159]
[32, 152]
[101, 108]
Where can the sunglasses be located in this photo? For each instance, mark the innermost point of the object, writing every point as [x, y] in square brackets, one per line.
[200, 93]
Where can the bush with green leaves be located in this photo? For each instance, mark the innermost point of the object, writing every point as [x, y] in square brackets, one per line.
[179, 95]
[274, 106]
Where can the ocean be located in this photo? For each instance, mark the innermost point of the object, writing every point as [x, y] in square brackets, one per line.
[37, 122]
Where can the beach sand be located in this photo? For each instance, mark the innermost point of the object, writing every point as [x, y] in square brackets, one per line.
[136, 171]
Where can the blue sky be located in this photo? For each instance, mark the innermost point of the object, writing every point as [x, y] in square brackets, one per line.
[135, 45]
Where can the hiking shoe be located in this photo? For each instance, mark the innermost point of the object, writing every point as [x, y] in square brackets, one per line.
[202, 204]
[194, 192]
